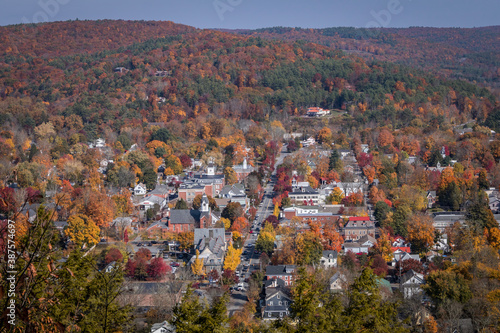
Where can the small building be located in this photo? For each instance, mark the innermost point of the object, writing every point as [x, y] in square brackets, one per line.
[337, 282]
[329, 259]
[410, 283]
[140, 189]
[283, 272]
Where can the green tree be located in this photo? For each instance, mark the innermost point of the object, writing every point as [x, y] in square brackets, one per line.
[479, 215]
[149, 178]
[162, 134]
[191, 316]
[381, 211]
[335, 163]
[450, 197]
[174, 163]
[366, 311]
[447, 285]
[181, 204]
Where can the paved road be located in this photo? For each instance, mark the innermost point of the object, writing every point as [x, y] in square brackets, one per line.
[250, 260]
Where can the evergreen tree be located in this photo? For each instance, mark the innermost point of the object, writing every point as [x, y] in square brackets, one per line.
[335, 163]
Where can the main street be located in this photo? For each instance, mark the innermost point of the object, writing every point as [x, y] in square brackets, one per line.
[250, 259]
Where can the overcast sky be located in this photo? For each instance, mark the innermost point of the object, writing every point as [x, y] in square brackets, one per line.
[234, 14]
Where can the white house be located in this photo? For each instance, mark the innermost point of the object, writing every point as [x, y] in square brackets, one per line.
[410, 283]
[337, 282]
[329, 259]
[140, 189]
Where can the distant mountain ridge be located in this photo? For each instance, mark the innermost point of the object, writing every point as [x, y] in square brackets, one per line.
[467, 53]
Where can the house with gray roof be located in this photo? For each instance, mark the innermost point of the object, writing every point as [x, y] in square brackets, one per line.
[410, 283]
[329, 259]
[304, 194]
[283, 272]
[337, 282]
[277, 300]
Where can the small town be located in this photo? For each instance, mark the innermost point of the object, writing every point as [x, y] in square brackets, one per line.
[244, 176]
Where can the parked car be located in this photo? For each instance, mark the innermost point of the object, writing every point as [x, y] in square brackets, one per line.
[139, 244]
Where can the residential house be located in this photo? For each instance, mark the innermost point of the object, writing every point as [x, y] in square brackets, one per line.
[431, 198]
[140, 189]
[277, 300]
[309, 142]
[164, 327]
[283, 272]
[337, 282]
[236, 193]
[212, 245]
[357, 227]
[365, 148]
[362, 245]
[410, 283]
[350, 187]
[343, 153]
[399, 242]
[162, 191]
[317, 112]
[329, 259]
[150, 201]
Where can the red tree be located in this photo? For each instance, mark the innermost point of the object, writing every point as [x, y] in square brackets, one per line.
[130, 268]
[125, 236]
[185, 161]
[144, 254]
[408, 264]
[229, 277]
[157, 269]
[379, 266]
[113, 255]
[213, 275]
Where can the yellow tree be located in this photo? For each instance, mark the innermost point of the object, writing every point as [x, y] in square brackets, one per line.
[185, 239]
[276, 211]
[123, 204]
[335, 196]
[324, 135]
[421, 232]
[230, 176]
[232, 259]
[383, 246]
[197, 266]
[493, 236]
[82, 230]
[226, 222]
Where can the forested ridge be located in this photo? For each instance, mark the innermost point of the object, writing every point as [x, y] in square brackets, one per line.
[467, 53]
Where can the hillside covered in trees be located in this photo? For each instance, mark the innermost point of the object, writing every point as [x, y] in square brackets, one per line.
[138, 72]
[462, 53]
